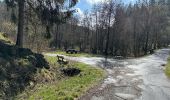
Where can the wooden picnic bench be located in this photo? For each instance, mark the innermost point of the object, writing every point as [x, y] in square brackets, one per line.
[61, 60]
[151, 51]
[119, 57]
[71, 51]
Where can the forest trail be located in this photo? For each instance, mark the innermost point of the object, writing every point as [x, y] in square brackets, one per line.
[130, 79]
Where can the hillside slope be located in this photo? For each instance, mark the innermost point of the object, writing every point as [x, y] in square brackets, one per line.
[17, 68]
[25, 75]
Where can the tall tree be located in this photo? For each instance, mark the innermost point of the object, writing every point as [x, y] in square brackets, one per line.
[49, 11]
[110, 11]
[21, 9]
[152, 2]
[162, 2]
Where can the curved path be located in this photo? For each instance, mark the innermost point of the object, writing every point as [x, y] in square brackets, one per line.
[130, 79]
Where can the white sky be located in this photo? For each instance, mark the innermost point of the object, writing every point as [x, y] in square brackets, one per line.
[97, 1]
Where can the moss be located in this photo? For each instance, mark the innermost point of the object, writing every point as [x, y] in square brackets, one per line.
[4, 38]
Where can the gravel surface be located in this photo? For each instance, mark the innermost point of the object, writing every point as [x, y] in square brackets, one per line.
[130, 79]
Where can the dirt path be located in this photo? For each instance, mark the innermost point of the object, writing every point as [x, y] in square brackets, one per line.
[141, 79]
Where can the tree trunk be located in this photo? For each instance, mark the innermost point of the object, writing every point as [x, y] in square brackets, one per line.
[108, 36]
[56, 41]
[134, 36]
[146, 44]
[21, 14]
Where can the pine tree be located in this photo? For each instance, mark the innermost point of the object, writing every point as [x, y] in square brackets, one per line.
[49, 11]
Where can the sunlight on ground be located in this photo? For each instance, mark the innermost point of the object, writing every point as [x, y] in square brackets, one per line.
[76, 55]
[67, 88]
[167, 71]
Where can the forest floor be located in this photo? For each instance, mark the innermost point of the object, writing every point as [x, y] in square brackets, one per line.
[141, 78]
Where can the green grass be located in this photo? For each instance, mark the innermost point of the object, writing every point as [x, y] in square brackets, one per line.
[18, 68]
[68, 88]
[167, 70]
[2, 37]
[5, 39]
[77, 55]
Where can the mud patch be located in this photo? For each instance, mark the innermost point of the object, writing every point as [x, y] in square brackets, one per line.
[71, 71]
[119, 80]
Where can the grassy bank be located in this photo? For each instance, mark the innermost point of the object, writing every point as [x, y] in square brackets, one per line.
[18, 68]
[65, 88]
[25, 75]
[167, 70]
[76, 55]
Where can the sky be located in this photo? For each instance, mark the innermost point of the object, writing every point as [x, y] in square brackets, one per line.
[83, 5]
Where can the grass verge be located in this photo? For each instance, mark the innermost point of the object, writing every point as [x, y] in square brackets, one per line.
[167, 70]
[77, 55]
[66, 88]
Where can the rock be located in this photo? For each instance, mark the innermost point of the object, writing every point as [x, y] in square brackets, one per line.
[135, 80]
[71, 71]
[110, 71]
[97, 98]
[119, 77]
[103, 86]
[125, 96]
[163, 65]
[110, 80]
[122, 72]
[31, 84]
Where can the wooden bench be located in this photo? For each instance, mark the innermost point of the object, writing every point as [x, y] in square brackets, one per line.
[71, 51]
[61, 60]
[151, 51]
[119, 57]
